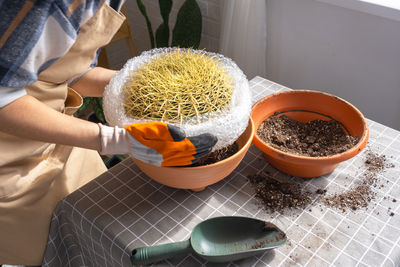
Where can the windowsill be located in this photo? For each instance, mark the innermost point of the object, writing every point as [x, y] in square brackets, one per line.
[389, 9]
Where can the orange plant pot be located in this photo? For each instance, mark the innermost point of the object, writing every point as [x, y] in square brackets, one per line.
[304, 106]
[198, 178]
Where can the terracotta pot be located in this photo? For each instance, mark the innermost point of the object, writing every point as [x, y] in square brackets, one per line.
[198, 178]
[304, 106]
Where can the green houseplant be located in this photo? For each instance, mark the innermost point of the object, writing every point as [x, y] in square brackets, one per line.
[187, 30]
[97, 106]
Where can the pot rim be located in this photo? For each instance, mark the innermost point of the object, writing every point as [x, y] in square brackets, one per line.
[334, 158]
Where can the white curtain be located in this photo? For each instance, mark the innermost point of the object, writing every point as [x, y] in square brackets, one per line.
[243, 35]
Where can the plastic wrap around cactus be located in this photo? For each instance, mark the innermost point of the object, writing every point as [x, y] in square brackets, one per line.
[227, 125]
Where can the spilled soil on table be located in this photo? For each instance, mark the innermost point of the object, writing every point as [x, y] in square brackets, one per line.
[277, 196]
[362, 193]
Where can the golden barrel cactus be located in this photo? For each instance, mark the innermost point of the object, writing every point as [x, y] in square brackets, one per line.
[176, 86]
[198, 91]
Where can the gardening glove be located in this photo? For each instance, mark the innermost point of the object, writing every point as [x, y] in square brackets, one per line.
[156, 143]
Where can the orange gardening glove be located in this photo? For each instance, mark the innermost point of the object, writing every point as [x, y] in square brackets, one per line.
[156, 143]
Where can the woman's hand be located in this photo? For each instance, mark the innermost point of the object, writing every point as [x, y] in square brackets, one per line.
[156, 143]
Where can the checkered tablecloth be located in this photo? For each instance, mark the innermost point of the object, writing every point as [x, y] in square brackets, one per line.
[101, 223]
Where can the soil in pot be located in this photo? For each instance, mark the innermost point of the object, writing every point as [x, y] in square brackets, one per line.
[218, 155]
[317, 138]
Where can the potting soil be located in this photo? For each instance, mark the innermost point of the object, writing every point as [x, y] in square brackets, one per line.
[316, 138]
[218, 155]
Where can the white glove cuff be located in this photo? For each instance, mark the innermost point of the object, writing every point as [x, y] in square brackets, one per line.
[114, 140]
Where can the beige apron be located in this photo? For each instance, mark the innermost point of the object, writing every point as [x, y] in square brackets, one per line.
[34, 176]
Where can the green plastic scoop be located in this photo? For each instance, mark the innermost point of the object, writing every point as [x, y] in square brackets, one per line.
[219, 239]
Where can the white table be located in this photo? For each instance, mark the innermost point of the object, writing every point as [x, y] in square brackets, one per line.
[101, 223]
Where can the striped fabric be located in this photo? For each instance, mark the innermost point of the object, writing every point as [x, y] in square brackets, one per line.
[34, 34]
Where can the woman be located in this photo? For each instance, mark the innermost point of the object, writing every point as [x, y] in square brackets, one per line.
[46, 53]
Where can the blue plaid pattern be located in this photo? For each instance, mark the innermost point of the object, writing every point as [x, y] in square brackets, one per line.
[34, 34]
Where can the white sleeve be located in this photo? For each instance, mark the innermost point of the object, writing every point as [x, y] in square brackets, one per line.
[9, 94]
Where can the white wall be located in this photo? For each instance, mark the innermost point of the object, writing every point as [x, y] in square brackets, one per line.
[352, 54]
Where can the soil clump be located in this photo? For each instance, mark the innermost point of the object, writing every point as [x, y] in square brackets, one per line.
[317, 138]
[278, 196]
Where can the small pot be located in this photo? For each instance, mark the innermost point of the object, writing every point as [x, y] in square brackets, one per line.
[305, 106]
[198, 178]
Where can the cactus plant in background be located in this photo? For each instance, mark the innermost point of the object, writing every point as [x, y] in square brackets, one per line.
[187, 29]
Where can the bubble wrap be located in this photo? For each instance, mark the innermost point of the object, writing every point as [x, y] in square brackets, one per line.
[226, 125]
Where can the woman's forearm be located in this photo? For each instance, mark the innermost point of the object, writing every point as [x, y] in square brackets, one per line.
[93, 82]
[29, 118]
